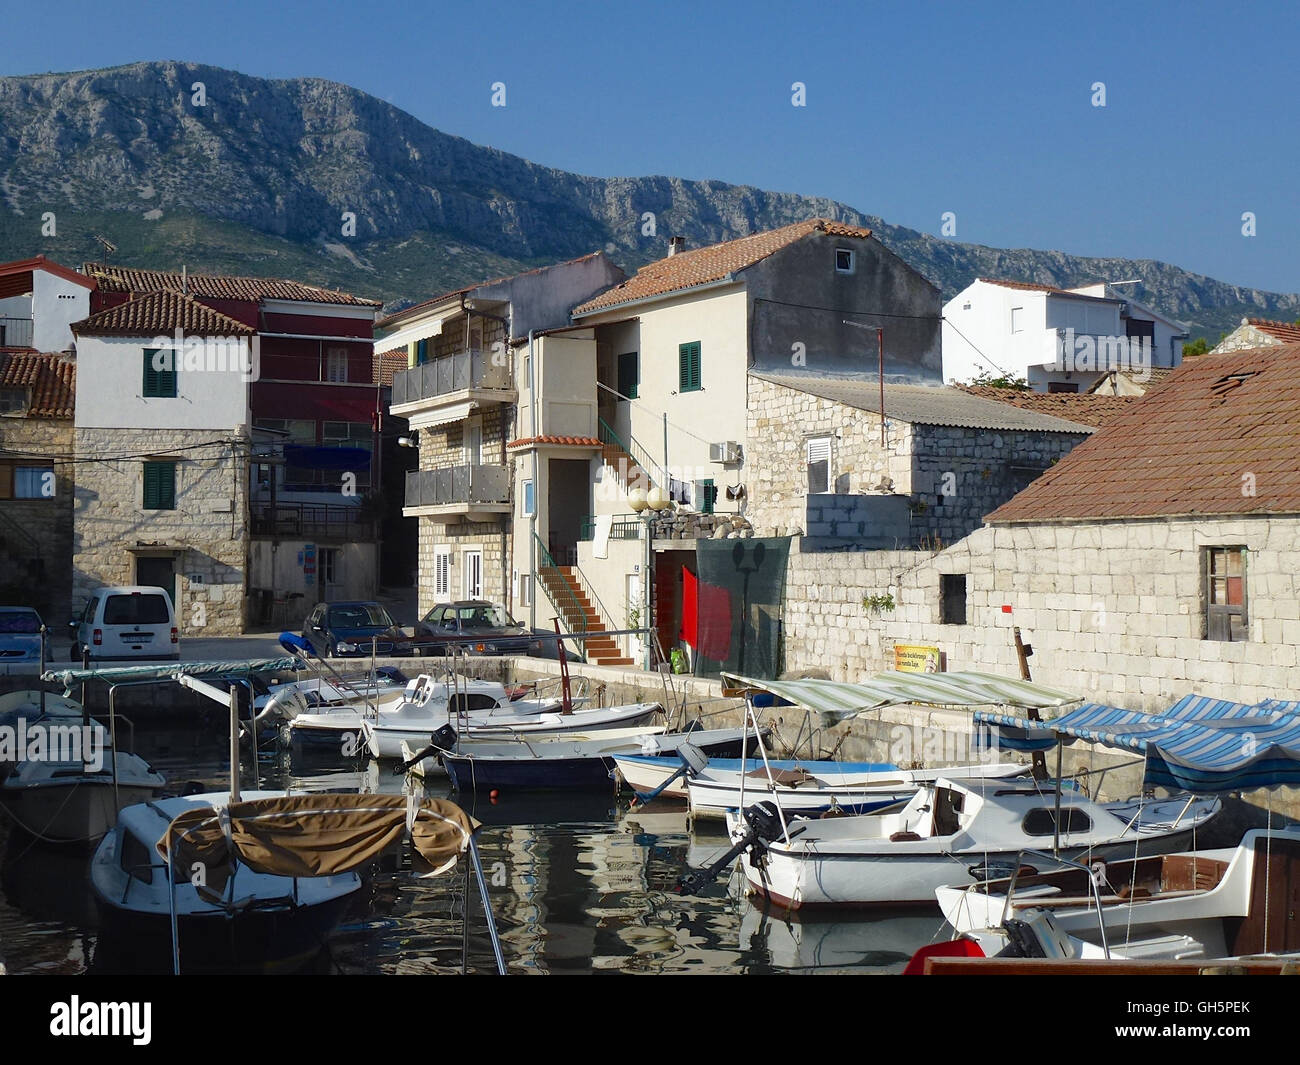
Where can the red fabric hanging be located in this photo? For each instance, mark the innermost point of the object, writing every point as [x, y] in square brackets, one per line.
[690, 615]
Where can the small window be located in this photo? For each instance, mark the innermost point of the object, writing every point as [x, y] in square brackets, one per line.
[526, 501]
[525, 589]
[952, 598]
[688, 367]
[13, 400]
[159, 374]
[1017, 319]
[1225, 594]
[1042, 822]
[160, 486]
[629, 375]
[819, 465]
[707, 493]
[1061, 386]
[336, 365]
[442, 572]
[843, 261]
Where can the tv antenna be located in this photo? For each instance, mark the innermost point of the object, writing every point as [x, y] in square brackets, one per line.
[108, 246]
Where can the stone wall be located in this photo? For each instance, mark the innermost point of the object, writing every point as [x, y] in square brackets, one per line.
[1113, 610]
[209, 526]
[36, 534]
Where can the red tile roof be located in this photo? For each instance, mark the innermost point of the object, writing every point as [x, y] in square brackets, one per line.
[388, 363]
[689, 269]
[1185, 448]
[557, 441]
[1084, 408]
[160, 313]
[113, 278]
[51, 377]
[15, 277]
[1287, 332]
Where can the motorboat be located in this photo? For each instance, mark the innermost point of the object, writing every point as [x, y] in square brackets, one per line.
[901, 858]
[1188, 905]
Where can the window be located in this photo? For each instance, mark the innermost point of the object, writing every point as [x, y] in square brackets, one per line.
[26, 482]
[442, 572]
[629, 375]
[1061, 386]
[843, 261]
[819, 465]
[707, 494]
[1225, 594]
[688, 367]
[136, 609]
[336, 364]
[159, 374]
[1017, 319]
[13, 400]
[1042, 822]
[525, 589]
[160, 486]
[679, 491]
[526, 499]
[329, 565]
[952, 599]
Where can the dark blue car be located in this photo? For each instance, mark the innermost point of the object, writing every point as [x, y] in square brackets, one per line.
[345, 630]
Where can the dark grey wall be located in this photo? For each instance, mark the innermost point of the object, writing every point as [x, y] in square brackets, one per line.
[796, 296]
[544, 298]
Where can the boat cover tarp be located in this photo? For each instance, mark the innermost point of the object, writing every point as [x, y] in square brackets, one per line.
[1246, 747]
[310, 835]
[837, 700]
[171, 670]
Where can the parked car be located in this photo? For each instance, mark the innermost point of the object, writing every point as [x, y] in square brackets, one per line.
[20, 641]
[345, 630]
[475, 626]
[133, 621]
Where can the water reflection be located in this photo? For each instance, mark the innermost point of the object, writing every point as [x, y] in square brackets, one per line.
[577, 884]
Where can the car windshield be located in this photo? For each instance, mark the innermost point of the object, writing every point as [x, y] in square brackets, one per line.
[359, 616]
[136, 609]
[484, 617]
[24, 622]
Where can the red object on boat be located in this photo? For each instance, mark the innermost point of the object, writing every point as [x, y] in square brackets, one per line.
[954, 948]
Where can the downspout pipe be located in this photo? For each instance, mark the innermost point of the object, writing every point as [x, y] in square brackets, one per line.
[532, 518]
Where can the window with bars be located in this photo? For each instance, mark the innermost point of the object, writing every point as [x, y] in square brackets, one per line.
[688, 367]
[159, 374]
[160, 486]
[819, 465]
[1226, 615]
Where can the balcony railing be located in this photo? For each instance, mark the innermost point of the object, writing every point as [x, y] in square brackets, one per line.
[324, 520]
[15, 332]
[624, 527]
[448, 374]
[463, 485]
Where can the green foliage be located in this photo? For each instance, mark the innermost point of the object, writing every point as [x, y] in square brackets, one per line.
[985, 377]
[1199, 346]
[877, 603]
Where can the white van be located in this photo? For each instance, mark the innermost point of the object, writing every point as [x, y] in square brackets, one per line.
[130, 622]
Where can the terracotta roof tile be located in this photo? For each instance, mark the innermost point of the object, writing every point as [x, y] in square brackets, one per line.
[160, 313]
[51, 377]
[1287, 332]
[1185, 448]
[689, 269]
[561, 441]
[112, 278]
[1085, 408]
[388, 363]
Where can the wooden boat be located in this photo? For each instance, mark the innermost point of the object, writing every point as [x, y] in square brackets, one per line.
[646, 773]
[902, 858]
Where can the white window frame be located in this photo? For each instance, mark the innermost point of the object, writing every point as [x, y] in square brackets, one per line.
[853, 261]
[525, 589]
[472, 593]
[1017, 320]
[473, 456]
[334, 359]
[813, 447]
[441, 574]
[527, 498]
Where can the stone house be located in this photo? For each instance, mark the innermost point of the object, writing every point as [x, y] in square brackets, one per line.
[162, 445]
[1159, 557]
[1258, 333]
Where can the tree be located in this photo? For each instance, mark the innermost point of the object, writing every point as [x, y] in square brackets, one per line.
[1199, 346]
[985, 377]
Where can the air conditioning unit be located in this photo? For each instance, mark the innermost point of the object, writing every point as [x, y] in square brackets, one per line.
[727, 452]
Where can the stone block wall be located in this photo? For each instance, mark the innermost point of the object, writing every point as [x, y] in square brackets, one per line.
[209, 525]
[36, 534]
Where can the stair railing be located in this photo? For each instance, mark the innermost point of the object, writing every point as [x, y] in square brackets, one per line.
[653, 471]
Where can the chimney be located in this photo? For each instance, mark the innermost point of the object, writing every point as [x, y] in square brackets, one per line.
[676, 244]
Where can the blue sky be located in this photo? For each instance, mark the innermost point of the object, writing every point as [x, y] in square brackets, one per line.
[913, 109]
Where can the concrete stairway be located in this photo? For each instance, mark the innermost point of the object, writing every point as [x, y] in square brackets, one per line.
[579, 614]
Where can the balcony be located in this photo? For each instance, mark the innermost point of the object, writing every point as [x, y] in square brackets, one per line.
[316, 521]
[475, 492]
[15, 332]
[449, 388]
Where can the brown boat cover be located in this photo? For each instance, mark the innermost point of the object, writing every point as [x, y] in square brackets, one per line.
[310, 835]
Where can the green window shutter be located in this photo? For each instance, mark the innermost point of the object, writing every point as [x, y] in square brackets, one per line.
[158, 383]
[160, 486]
[629, 374]
[708, 495]
[688, 367]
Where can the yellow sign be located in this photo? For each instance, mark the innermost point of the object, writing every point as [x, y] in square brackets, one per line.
[909, 658]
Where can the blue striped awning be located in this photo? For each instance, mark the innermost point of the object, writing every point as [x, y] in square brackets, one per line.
[1197, 744]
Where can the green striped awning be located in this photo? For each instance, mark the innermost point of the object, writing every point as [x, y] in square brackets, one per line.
[837, 700]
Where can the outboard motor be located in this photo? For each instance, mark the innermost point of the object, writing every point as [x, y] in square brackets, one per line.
[443, 739]
[762, 826]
